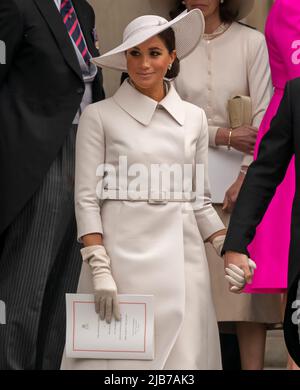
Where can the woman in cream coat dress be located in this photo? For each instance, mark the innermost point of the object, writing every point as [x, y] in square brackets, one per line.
[231, 60]
[155, 246]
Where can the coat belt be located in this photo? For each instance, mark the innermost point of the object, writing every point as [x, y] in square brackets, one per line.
[151, 197]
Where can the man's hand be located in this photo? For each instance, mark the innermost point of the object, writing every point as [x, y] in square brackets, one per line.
[239, 270]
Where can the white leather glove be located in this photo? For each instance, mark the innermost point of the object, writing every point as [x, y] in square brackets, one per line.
[218, 243]
[105, 289]
[236, 277]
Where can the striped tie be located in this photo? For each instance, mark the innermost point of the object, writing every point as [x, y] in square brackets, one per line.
[71, 21]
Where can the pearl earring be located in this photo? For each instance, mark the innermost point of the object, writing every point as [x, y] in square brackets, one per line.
[222, 1]
[170, 67]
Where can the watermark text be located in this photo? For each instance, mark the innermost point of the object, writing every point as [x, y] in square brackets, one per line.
[2, 313]
[2, 53]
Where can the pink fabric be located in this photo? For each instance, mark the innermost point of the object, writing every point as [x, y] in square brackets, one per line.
[270, 247]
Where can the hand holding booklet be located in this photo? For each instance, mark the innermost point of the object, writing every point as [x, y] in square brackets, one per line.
[90, 337]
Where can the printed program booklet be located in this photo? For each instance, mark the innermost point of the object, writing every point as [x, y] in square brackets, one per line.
[89, 337]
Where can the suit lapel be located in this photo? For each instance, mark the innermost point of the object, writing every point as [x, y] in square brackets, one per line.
[53, 19]
[85, 26]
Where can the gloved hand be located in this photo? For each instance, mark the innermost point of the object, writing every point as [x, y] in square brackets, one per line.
[105, 289]
[218, 243]
[236, 276]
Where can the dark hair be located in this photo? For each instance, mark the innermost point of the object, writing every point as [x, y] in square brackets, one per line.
[177, 11]
[228, 12]
[168, 37]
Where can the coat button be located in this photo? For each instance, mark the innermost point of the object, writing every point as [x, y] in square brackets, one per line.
[80, 90]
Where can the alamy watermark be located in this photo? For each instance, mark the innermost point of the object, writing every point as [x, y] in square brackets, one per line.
[156, 183]
[296, 314]
[2, 53]
[2, 313]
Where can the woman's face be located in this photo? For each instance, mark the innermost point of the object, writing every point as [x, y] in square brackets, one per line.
[208, 7]
[148, 63]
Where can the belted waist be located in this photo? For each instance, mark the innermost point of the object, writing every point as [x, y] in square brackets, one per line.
[151, 197]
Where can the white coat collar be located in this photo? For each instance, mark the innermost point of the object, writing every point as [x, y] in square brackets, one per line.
[142, 108]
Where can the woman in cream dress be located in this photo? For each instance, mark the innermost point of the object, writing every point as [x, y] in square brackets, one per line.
[155, 244]
[231, 60]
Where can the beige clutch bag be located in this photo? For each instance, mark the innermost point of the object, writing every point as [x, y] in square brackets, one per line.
[240, 111]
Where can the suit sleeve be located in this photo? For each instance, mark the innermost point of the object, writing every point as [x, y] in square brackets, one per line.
[11, 32]
[262, 179]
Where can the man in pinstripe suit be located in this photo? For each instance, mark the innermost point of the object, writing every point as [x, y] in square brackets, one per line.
[46, 82]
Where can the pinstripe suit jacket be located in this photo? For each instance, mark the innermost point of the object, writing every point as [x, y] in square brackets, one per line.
[41, 88]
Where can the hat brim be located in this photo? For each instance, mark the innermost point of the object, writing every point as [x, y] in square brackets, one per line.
[188, 28]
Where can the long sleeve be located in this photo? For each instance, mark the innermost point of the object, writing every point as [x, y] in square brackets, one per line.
[208, 220]
[264, 175]
[260, 84]
[11, 33]
[212, 133]
[90, 154]
[259, 78]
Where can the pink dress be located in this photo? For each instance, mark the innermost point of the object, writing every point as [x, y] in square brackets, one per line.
[270, 247]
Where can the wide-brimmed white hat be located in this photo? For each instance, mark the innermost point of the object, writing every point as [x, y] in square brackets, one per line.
[188, 28]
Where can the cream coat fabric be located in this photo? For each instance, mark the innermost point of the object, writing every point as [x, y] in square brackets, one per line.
[234, 63]
[154, 249]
